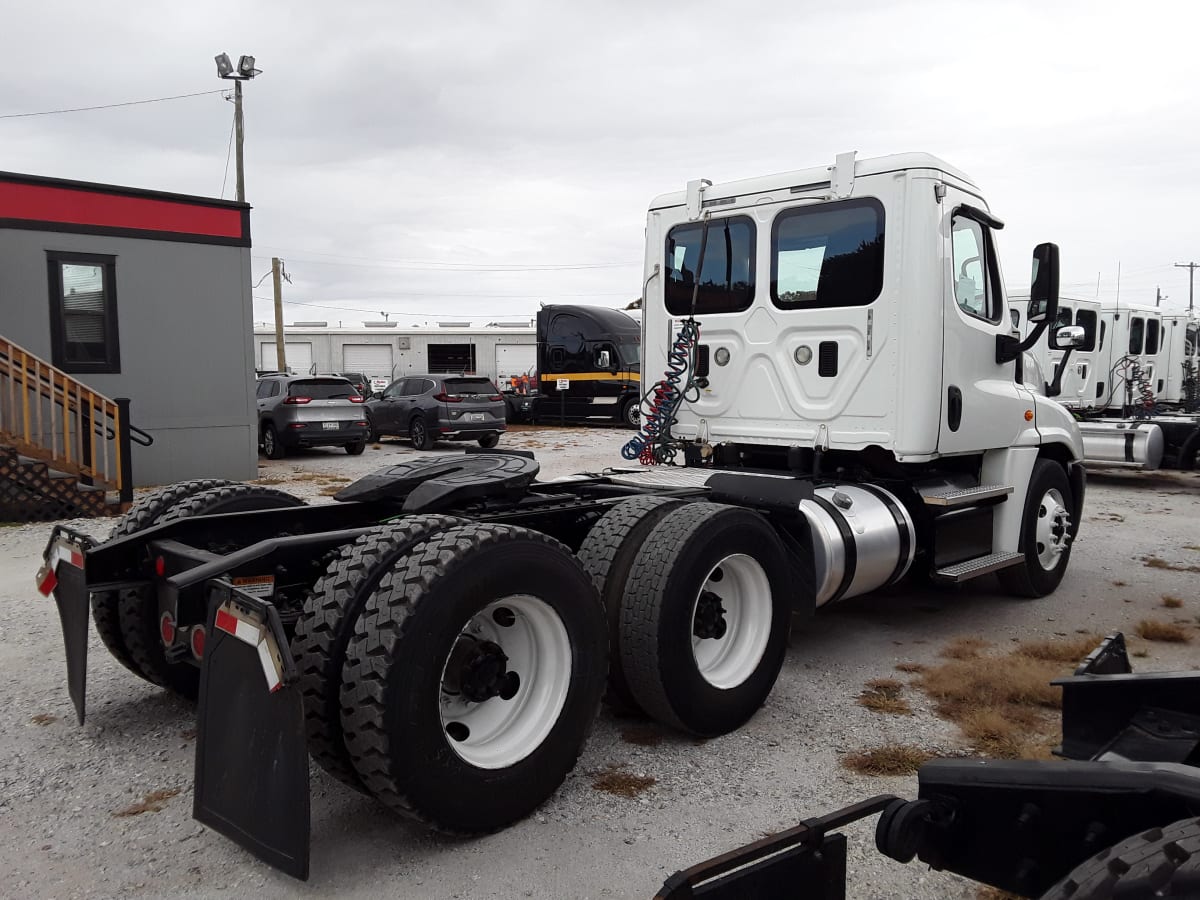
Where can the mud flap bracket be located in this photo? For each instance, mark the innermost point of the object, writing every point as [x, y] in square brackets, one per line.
[251, 754]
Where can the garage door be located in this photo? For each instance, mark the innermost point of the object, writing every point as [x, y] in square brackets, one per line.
[371, 359]
[299, 356]
[513, 360]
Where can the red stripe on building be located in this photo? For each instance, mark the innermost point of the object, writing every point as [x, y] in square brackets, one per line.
[71, 206]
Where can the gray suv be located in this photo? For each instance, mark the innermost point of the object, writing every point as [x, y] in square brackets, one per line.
[429, 408]
[309, 411]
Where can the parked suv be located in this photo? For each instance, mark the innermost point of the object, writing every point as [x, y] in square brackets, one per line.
[309, 411]
[431, 408]
[361, 383]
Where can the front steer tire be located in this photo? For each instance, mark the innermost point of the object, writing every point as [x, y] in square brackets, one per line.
[138, 608]
[143, 514]
[1161, 862]
[394, 686]
[327, 624]
[607, 554]
[696, 551]
[1031, 578]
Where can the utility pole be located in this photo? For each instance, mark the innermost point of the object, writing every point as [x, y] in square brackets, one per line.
[1191, 267]
[239, 129]
[277, 281]
[1158, 296]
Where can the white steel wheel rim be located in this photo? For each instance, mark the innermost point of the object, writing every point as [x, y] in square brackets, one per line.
[745, 593]
[1053, 530]
[504, 732]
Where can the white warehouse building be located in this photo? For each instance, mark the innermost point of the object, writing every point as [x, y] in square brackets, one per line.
[390, 350]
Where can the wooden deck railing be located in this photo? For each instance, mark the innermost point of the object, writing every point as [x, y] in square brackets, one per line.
[48, 415]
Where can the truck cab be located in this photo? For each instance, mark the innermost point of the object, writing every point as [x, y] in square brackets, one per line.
[855, 317]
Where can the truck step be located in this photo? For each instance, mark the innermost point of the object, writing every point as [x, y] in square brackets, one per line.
[973, 568]
[966, 496]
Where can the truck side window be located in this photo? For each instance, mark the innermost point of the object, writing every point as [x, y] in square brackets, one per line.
[1086, 319]
[972, 269]
[1015, 317]
[1152, 336]
[827, 255]
[1137, 330]
[727, 282]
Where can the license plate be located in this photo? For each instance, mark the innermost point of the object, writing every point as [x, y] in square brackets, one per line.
[331, 426]
[474, 417]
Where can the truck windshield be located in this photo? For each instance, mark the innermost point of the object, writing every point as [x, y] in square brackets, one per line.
[325, 389]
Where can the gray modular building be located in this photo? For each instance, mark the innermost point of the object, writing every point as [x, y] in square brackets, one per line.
[138, 294]
[386, 350]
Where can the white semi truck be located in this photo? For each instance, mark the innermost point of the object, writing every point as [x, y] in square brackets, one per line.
[842, 405]
[1130, 376]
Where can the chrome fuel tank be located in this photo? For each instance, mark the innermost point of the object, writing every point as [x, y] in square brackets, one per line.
[1131, 443]
[863, 538]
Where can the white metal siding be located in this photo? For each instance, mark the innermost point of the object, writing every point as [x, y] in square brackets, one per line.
[514, 359]
[372, 359]
[299, 356]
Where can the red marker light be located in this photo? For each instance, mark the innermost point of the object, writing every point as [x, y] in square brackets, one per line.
[160, 566]
[166, 628]
[197, 641]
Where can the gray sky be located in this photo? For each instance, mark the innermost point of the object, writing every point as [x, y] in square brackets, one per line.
[475, 159]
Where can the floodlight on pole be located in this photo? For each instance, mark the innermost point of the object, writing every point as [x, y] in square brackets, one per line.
[245, 71]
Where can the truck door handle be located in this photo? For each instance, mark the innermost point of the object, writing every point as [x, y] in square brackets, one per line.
[953, 407]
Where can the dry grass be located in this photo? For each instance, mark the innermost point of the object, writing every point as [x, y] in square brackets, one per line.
[1167, 632]
[964, 648]
[991, 893]
[890, 759]
[155, 801]
[1066, 651]
[642, 735]
[1119, 584]
[43, 719]
[330, 491]
[911, 668]
[270, 479]
[1172, 602]
[1155, 562]
[882, 695]
[621, 783]
[1191, 547]
[991, 681]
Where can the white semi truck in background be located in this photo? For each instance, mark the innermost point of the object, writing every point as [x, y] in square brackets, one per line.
[1132, 377]
[842, 405]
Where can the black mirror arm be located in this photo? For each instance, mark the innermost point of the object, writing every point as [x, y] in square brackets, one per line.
[1054, 388]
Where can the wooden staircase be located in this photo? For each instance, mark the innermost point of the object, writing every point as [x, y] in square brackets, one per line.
[64, 449]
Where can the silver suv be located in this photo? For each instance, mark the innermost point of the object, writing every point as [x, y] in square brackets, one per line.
[309, 411]
[429, 408]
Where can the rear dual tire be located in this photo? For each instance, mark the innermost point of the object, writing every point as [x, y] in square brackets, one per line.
[423, 730]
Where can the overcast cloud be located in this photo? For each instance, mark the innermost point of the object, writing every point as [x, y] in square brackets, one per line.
[392, 145]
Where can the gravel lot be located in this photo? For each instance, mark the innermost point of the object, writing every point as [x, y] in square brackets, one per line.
[62, 787]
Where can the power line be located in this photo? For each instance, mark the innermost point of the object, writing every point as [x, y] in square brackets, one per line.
[442, 266]
[54, 112]
[441, 312]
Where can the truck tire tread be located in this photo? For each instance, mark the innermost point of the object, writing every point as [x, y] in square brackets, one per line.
[1160, 862]
[144, 513]
[607, 555]
[376, 653]
[327, 624]
[658, 567]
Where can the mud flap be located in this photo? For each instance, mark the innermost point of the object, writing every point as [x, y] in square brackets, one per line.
[63, 575]
[251, 753]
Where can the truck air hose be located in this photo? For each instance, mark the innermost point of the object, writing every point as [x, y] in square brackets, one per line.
[660, 404]
[1141, 384]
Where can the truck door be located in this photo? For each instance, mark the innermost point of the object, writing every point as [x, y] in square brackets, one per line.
[983, 406]
[568, 359]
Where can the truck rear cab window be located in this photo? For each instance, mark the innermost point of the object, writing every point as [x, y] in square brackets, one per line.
[976, 283]
[1086, 319]
[727, 281]
[827, 255]
[1151, 336]
[1137, 330]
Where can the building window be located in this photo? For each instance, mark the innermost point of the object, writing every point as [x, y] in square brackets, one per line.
[458, 358]
[727, 282]
[827, 255]
[83, 312]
